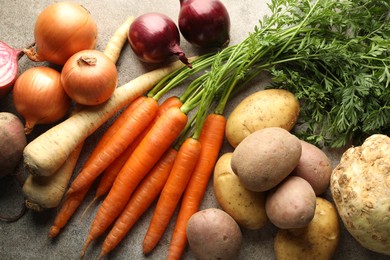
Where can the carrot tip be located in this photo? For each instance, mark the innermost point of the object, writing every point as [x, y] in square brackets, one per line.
[53, 232]
[101, 255]
[87, 242]
[147, 250]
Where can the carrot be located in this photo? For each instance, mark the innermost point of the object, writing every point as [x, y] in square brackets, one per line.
[209, 129]
[188, 154]
[109, 175]
[46, 153]
[113, 129]
[211, 139]
[67, 210]
[117, 40]
[148, 152]
[111, 172]
[73, 201]
[101, 158]
[172, 101]
[185, 162]
[145, 194]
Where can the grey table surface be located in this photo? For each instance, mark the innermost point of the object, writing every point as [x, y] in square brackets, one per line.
[27, 238]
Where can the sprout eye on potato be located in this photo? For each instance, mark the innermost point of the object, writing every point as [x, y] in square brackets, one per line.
[262, 109]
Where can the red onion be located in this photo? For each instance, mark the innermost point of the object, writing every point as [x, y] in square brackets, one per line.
[154, 37]
[8, 68]
[205, 23]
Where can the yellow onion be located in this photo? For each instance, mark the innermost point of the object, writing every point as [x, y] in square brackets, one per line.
[89, 77]
[39, 97]
[61, 30]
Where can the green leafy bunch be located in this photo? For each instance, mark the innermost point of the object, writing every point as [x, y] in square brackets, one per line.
[334, 56]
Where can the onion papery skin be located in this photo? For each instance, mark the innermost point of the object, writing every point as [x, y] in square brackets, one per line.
[89, 77]
[154, 37]
[204, 23]
[39, 97]
[61, 30]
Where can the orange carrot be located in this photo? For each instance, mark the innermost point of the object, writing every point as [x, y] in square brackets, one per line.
[73, 201]
[68, 207]
[165, 130]
[123, 117]
[145, 194]
[172, 101]
[136, 122]
[211, 139]
[112, 171]
[109, 175]
[184, 164]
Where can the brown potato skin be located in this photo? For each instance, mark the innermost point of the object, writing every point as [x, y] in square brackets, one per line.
[291, 204]
[315, 167]
[265, 157]
[319, 240]
[213, 234]
[264, 108]
[246, 207]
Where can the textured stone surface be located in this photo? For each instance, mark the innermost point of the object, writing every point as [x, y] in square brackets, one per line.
[27, 238]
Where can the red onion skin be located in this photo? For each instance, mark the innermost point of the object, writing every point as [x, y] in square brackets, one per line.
[204, 23]
[8, 68]
[154, 37]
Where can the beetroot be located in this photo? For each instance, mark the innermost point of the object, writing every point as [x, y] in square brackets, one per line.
[12, 142]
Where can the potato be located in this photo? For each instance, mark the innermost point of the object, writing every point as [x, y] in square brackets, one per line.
[246, 207]
[319, 240]
[265, 157]
[213, 234]
[315, 167]
[265, 108]
[291, 204]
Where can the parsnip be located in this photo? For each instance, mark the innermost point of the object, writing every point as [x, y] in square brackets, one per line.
[45, 192]
[46, 153]
[117, 41]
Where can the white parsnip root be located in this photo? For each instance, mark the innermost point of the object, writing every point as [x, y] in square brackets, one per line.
[46, 192]
[44, 155]
[117, 41]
